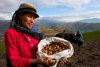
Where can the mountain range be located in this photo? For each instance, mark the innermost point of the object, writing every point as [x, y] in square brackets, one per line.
[75, 26]
[81, 26]
[93, 20]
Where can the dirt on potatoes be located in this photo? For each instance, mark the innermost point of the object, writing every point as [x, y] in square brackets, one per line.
[87, 56]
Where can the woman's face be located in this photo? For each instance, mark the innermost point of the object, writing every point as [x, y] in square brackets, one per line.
[27, 20]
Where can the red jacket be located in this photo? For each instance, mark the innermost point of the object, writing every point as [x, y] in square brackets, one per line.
[19, 47]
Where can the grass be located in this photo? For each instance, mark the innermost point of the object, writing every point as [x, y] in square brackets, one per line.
[91, 35]
[2, 47]
[1, 39]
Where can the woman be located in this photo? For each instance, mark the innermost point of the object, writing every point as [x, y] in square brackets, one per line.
[21, 39]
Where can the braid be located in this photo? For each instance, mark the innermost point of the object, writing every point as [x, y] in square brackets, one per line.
[12, 21]
[16, 20]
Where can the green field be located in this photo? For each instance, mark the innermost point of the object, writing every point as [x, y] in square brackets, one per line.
[91, 35]
[2, 47]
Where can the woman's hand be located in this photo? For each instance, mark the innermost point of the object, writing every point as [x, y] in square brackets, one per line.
[46, 61]
[61, 62]
[42, 61]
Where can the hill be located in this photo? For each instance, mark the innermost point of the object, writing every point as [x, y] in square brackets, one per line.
[4, 25]
[93, 20]
[83, 27]
[75, 26]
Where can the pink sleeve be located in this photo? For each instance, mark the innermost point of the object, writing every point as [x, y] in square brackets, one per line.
[12, 51]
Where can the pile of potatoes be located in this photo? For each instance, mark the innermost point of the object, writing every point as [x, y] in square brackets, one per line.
[54, 47]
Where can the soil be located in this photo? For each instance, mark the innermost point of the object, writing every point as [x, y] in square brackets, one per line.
[87, 56]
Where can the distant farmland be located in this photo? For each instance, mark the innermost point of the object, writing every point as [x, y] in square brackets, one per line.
[50, 32]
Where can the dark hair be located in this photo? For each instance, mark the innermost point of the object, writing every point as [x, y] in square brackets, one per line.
[16, 20]
[78, 32]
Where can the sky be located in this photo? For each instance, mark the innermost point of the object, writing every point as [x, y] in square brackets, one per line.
[59, 10]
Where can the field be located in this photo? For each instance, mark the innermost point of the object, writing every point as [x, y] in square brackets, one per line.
[87, 56]
[95, 35]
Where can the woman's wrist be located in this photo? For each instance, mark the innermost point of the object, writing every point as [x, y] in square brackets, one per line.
[33, 61]
[37, 60]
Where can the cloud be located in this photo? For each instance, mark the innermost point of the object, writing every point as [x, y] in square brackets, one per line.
[76, 4]
[72, 17]
[7, 7]
[5, 16]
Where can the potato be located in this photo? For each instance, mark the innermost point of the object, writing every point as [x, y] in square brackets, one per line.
[54, 47]
[48, 58]
[50, 61]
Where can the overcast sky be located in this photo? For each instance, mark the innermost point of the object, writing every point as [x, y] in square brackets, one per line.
[60, 10]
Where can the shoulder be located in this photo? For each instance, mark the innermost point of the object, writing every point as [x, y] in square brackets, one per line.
[11, 31]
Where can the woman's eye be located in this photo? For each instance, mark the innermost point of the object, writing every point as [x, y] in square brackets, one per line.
[33, 17]
[29, 16]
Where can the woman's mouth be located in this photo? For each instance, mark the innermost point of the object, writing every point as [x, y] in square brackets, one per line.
[30, 24]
